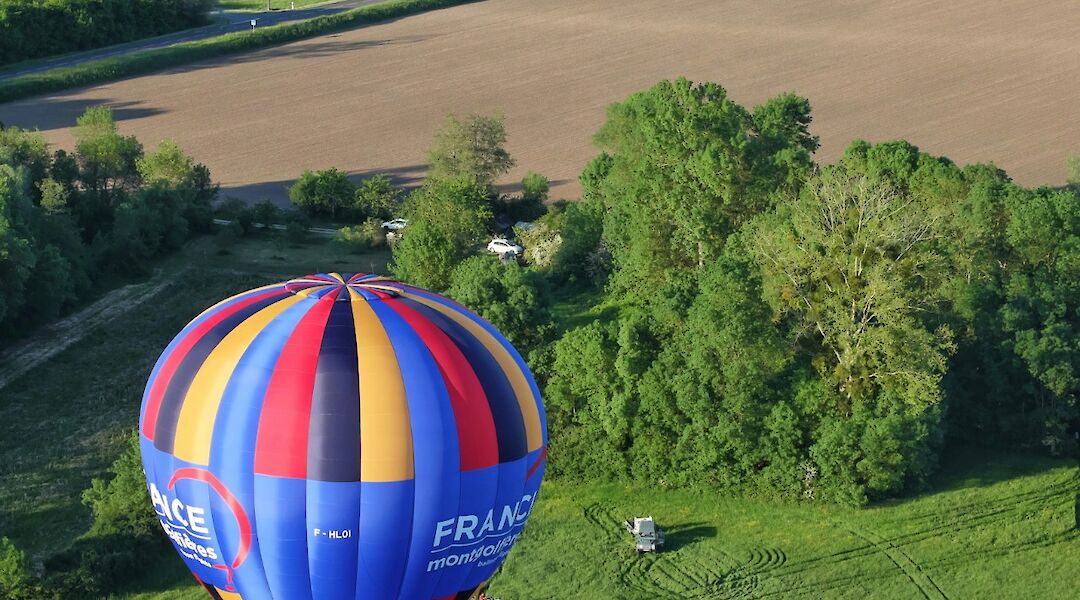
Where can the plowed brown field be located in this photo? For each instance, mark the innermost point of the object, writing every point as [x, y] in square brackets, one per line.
[970, 79]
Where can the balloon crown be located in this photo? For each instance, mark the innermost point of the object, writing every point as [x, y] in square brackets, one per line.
[366, 286]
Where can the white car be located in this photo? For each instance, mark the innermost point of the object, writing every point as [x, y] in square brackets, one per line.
[395, 225]
[502, 246]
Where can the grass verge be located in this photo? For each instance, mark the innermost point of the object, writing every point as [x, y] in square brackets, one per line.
[180, 54]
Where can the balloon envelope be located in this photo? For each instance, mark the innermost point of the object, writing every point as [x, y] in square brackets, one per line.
[342, 437]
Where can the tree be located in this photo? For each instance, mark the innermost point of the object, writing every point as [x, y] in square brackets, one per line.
[326, 192]
[447, 220]
[1043, 303]
[425, 257]
[54, 197]
[852, 266]
[107, 159]
[166, 165]
[121, 504]
[471, 147]
[684, 167]
[376, 197]
[16, 250]
[266, 212]
[512, 298]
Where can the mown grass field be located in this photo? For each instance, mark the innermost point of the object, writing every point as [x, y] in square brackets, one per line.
[997, 527]
[990, 527]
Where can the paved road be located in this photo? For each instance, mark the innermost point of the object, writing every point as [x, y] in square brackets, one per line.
[234, 21]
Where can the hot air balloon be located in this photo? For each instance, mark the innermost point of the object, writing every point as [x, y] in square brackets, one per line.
[342, 437]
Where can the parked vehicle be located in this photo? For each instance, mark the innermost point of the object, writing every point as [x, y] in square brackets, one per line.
[503, 246]
[395, 225]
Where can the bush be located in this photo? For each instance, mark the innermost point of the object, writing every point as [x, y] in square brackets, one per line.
[514, 299]
[296, 227]
[1072, 169]
[266, 212]
[227, 236]
[121, 505]
[14, 569]
[362, 238]
[237, 211]
[326, 192]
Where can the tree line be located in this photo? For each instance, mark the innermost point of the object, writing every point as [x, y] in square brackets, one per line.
[70, 221]
[38, 28]
[757, 322]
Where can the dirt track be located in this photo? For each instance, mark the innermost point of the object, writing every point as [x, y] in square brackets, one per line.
[972, 80]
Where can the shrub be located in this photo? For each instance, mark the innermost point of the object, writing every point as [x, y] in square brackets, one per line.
[296, 227]
[14, 569]
[362, 238]
[1072, 169]
[266, 212]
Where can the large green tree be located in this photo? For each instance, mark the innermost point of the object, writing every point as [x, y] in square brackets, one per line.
[471, 146]
[687, 167]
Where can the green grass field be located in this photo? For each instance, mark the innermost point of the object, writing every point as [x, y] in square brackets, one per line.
[261, 4]
[990, 527]
[998, 527]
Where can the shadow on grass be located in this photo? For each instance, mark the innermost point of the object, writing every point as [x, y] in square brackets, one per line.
[686, 535]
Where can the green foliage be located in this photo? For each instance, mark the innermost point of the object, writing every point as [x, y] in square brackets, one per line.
[1042, 309]
[296, 227]
[1072, 169]
[685, 167]
[534, 188]
[362, 238]
[447, 220]
[67, 219]
[14, 569]
[376, 197]
[472, 147]
[107, 159]
[513, 299]
[326, 192]
[227, 236]
[129, 65]
[34, 29]
[266, 212]
[167, 165]
[121, 505]
[123, 536]
[238, 211]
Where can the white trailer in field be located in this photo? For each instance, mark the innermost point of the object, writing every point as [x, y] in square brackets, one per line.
[647, 536]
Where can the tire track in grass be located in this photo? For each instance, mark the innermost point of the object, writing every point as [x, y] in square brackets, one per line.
[903, 561]
[50, 340]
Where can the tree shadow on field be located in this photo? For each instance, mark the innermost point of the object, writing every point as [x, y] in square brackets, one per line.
[48, 114]
[970, 468]
[685, 535]
[407, 177]
[320, 47]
